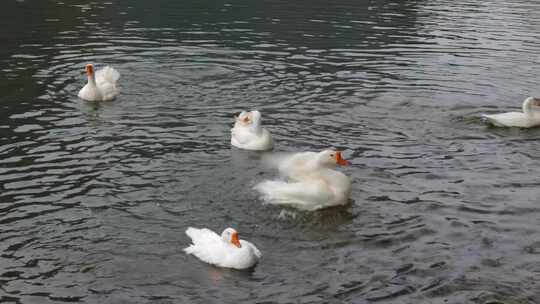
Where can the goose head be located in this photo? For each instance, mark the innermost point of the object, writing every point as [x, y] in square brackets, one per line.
[250, 119]
[529, 103]
[244, 118]
[331, 158]
[90, 73]
[230, 236]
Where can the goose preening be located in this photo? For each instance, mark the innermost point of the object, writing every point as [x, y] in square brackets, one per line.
[530, 117]
[312, 181]
[224, 251]
[249, 134]
[101, 85]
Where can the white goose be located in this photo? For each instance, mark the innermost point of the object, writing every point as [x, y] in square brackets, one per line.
[312, 185]
[223, 251]
[530, 117]
[249, 134]
[101, 85]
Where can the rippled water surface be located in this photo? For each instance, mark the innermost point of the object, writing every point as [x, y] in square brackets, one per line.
[95, 197]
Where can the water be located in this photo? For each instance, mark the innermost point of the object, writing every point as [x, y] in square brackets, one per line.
[95, 197]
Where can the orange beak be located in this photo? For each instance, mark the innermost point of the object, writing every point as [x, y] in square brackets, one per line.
[340, 160]
[89, 69]
[234, 240]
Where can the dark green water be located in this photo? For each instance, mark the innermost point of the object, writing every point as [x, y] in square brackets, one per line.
[95, 197]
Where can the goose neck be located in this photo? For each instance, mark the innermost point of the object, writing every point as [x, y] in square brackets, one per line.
[92, 79]
[527, 106]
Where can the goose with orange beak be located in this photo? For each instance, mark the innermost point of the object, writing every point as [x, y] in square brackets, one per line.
[101, 85]
[312, 183]
[226, 251]
[249, 134]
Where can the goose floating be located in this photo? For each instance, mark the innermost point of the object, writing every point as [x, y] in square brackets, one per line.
[312, 181]
[101, 84]
[249, 134]
[530, 117]
[224, 251]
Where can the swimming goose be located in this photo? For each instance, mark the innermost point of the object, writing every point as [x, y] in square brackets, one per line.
[530, 117]
[312, 181]
[101, 85]
[249, 134]
[224, 251]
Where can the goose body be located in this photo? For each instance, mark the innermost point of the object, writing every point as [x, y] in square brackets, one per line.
[101, 85]
[530, 117]
[312, 183]
[249, 134]
[224, 251]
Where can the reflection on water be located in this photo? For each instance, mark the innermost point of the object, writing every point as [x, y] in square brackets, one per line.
[95, 197]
